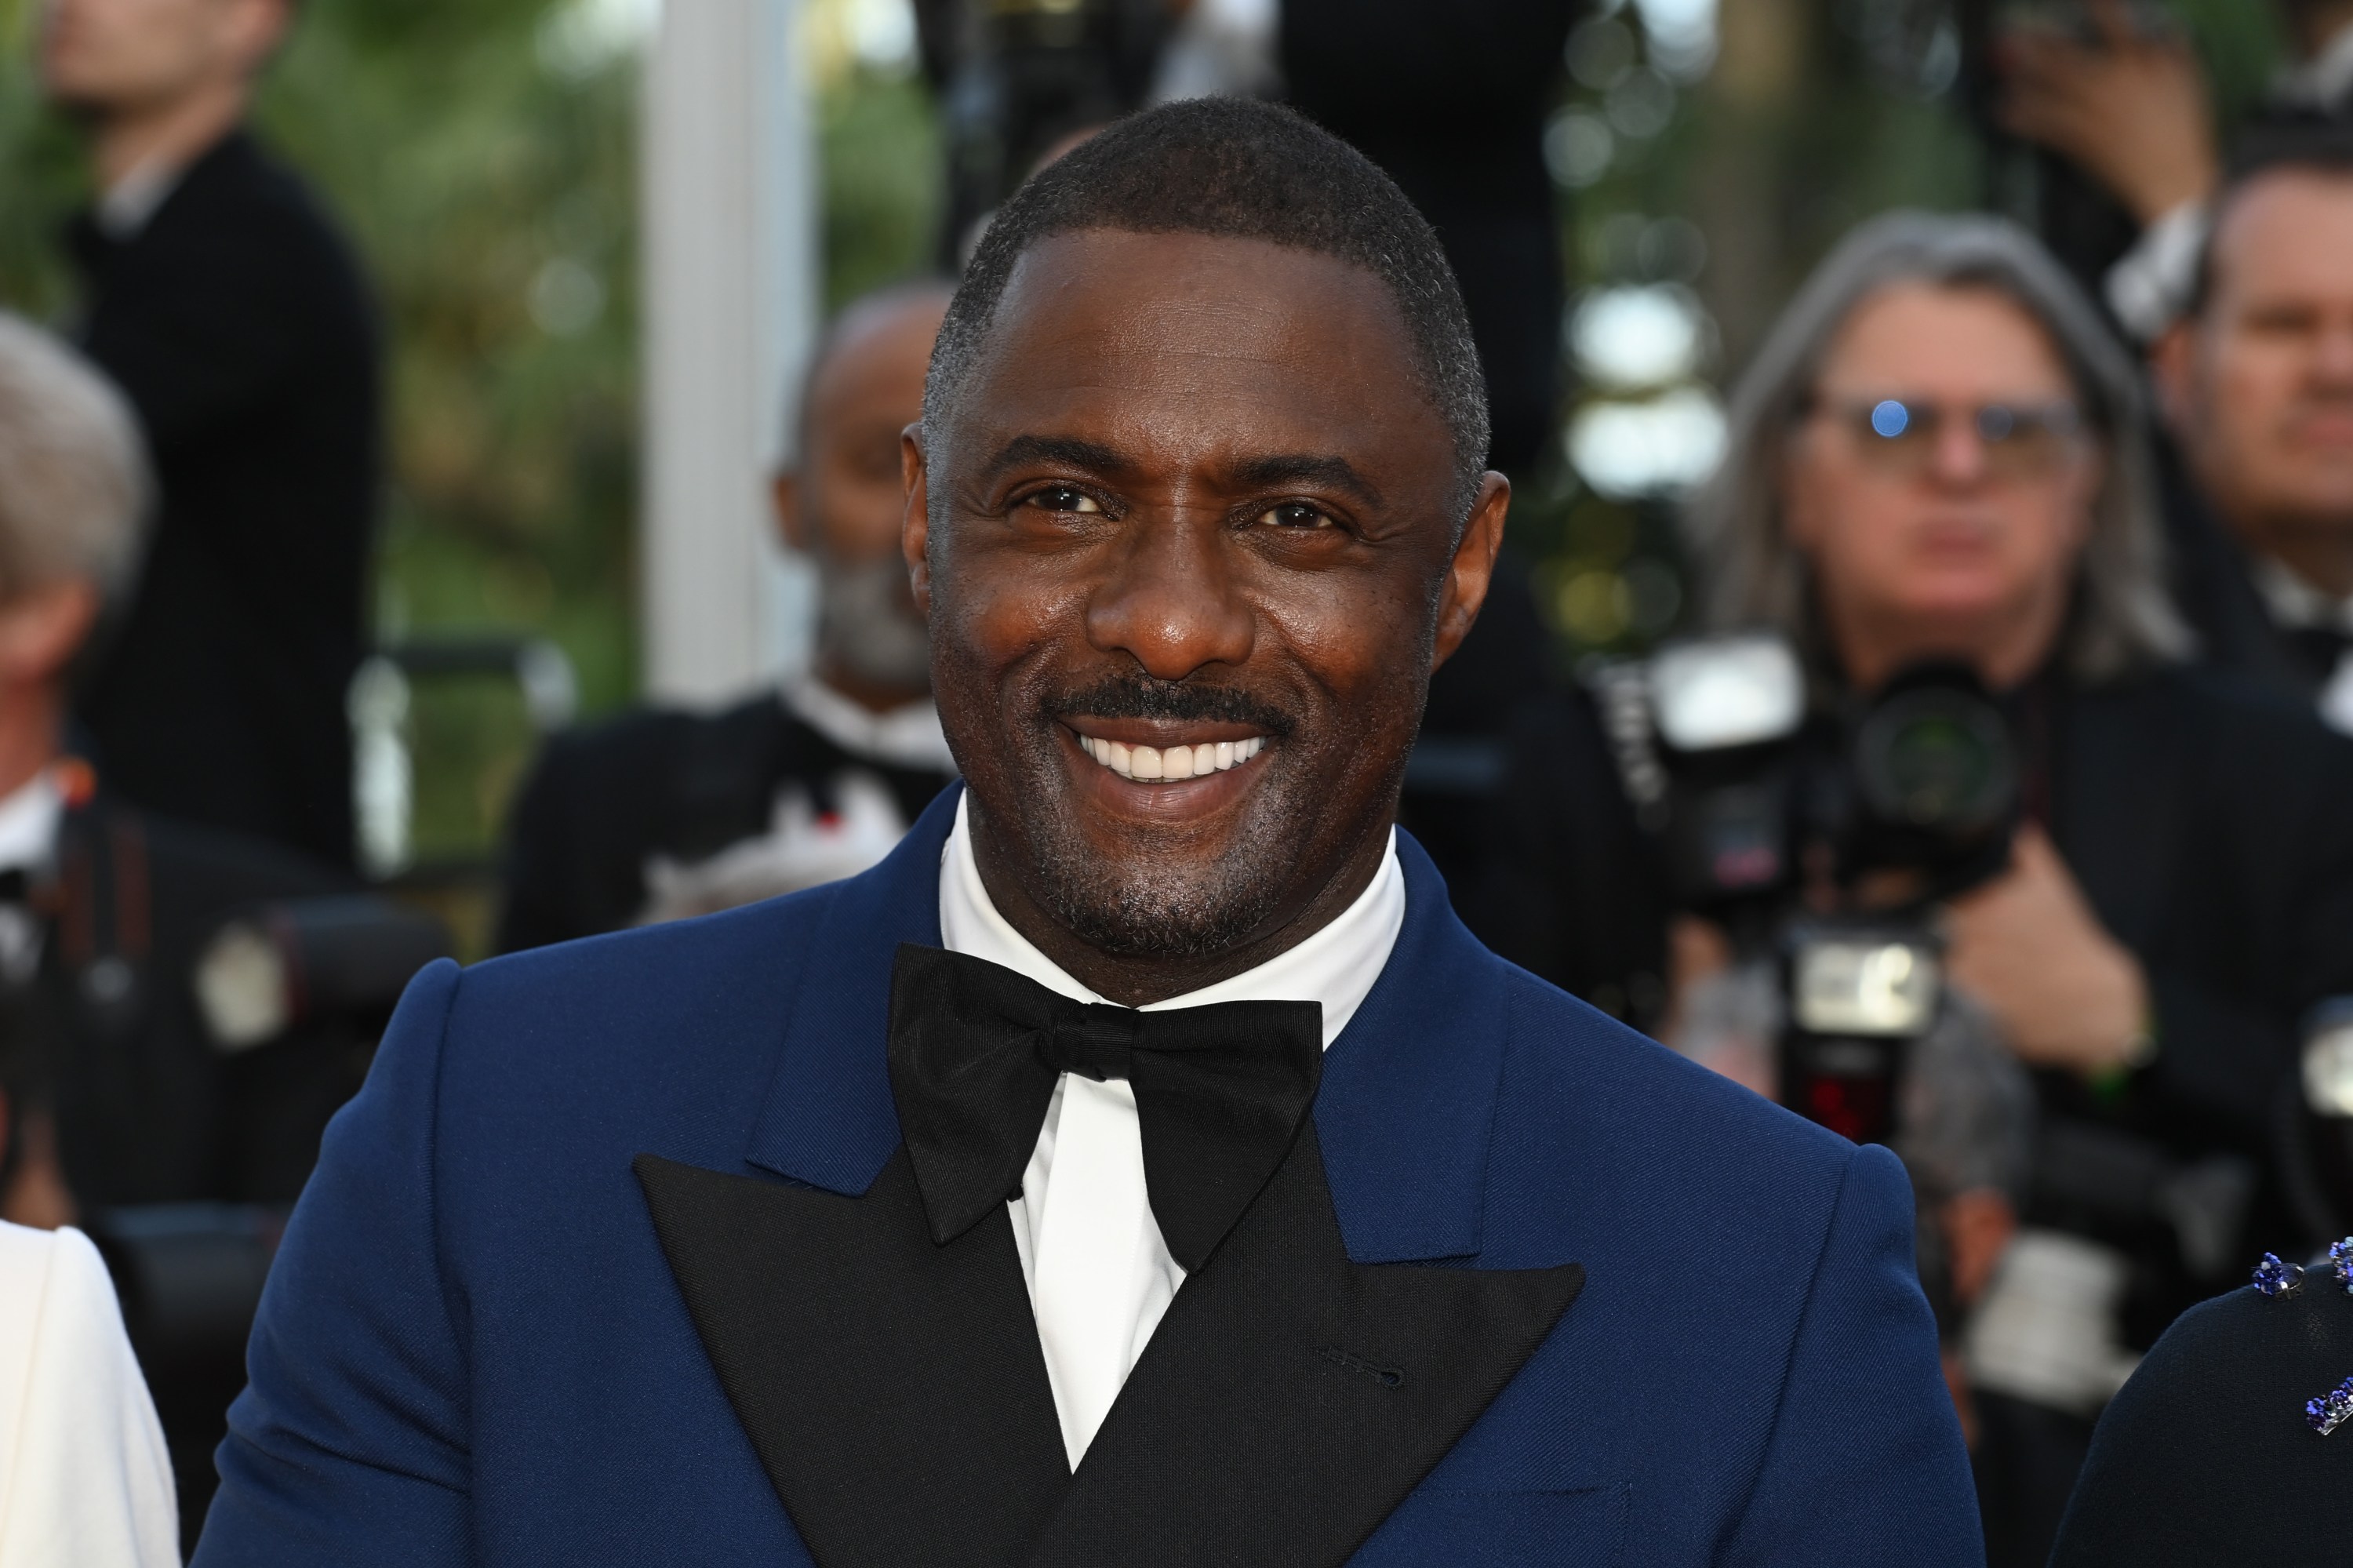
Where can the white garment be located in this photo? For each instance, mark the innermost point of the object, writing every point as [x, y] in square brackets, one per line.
[2294, 602]
[84, 1476]
[804, 847]
[1100, 1275]
[2150, 284]
[29, 815]
[126, 205]
[2325, 81]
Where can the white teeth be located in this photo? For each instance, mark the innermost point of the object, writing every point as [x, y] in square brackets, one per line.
[1171, 762]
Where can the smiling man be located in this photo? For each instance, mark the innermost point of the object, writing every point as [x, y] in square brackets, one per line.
[1142, 1165]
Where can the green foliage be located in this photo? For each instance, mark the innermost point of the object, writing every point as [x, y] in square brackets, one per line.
[879, 142]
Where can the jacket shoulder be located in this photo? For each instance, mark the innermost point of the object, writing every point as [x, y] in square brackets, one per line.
[744, 948]
[1621, 1148]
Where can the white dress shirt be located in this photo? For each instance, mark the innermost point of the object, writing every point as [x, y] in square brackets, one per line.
[84, 1477]
[804, 846]
[1100, 1275]
[2294, 602]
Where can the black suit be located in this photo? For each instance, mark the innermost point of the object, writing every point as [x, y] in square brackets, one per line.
[148, 1110]
[603, 801]
[236, 321]
[1569, 886]
[2215, 592]
[1451, 99]
[2207, 1452]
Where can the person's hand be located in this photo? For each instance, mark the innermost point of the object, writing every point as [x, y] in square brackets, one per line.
[2131, 109]
[2028, 947]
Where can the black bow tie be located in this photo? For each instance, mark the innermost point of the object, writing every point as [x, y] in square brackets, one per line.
[975, 1049]
[2319, 648]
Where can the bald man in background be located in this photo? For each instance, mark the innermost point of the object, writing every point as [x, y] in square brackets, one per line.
[663, 813]
[2256, 380]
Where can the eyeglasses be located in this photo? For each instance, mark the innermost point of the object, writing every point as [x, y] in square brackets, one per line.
[2019, 441]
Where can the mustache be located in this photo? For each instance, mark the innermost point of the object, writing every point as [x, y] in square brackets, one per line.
[1143, 696]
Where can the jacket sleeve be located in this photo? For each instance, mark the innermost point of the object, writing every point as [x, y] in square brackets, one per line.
[350, 1442]
[1865, 1465]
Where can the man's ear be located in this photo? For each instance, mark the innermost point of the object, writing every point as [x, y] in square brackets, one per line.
[915, 525]
[785, 501]
[1473, 570]
[2172, 364]
[41, 630]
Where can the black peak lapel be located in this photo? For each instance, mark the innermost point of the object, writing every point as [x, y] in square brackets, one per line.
[1291, 1398]
[892, 1388]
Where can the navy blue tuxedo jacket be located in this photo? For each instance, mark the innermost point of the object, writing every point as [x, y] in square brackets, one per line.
[617, 1259]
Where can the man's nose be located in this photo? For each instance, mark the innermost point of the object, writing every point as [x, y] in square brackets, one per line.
[2332, 360]
[1171, 601]
[1959, 455]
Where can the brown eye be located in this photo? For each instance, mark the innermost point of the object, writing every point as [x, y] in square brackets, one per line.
[1063, 498]
[1295, 514]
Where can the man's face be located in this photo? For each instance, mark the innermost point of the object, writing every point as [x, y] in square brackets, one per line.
[1941, 543]
[112, 56]
[2259, 388]
[844, 503]
[1189, 555]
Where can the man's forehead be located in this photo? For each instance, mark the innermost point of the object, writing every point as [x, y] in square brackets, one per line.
[1154, 337]
[2291, 229]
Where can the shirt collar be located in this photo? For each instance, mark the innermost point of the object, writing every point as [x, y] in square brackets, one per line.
[131, 201]
[29, 816]
[2296, 602]
[2328, 76]
[906, 736]
[1336, 966]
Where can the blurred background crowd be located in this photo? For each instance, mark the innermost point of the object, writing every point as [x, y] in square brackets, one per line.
[449, 492]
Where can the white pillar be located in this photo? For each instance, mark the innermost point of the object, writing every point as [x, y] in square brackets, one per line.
[728, 230]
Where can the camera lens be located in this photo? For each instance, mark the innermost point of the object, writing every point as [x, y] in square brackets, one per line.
[1937, 760]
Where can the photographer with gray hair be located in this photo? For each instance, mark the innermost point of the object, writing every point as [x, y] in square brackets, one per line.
[1937, 483]
[116, 1097]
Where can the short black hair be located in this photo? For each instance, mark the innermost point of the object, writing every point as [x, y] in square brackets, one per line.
[2304, 139]
[1242, 169]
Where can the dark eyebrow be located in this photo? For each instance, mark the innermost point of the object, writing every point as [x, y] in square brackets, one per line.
[1338, 474]
[1067, 451]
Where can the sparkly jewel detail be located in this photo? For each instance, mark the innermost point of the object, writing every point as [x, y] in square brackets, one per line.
[2273, 1277]
[2340, 1263]
[2331, 1410]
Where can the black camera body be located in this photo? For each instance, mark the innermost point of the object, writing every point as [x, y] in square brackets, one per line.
[1823, 834]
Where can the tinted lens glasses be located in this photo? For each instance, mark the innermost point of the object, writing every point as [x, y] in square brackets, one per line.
[2019, 440]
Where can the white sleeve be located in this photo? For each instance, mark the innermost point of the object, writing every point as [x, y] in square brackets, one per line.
[84, 1476]
[2151, 285]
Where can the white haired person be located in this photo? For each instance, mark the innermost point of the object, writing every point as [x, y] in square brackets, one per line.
[85, 1477]
[1940, 456]
[1937, 477]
